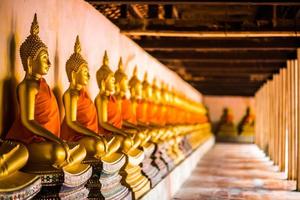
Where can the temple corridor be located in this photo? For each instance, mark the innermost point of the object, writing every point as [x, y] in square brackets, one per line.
[150, 100]
[237, 172]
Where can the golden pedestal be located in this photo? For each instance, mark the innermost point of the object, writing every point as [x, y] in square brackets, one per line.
[105, 182]
[162, 149]
[227, 130]
[132, 174]
[247, 130]
[151, 171]
[19, 185]
[62, 184]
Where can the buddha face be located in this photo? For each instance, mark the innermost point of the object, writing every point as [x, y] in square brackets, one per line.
[138, 90]
[166, 97]
[83, 75]
[147, 92]
[124, 85]
[41, 64]
[110, 83]
[156, 94]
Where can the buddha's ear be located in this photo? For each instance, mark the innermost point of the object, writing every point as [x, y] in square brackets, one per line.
[29, 65]
[117, 87]
[102, 86]
[73, 78]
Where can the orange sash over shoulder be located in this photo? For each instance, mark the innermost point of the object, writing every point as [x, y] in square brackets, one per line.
[151, 112]
[86, 116]
[114, 114]
[141, 112]
[46, 113]
[127, 113]
[160, 115]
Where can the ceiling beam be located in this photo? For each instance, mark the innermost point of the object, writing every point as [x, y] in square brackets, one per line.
[228, 93]
[200, 2]
[248, 55]
[214, 34]
[227, 64]
[229, 74]
[217, 44]
[225, 80]
[228, 69]
[222, 92]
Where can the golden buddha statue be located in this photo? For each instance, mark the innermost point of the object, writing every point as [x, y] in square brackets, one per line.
[139, 107]
[130, 122]
[81, 125]
[37, 127]
[246, 125]
[38, 123]
[81, 121]
[171, 134]
[148, 110]
[110, 111]
[128, 110]
[110, 119]
[226, 127]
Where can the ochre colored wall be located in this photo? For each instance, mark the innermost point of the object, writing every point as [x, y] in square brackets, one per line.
[60, 21]
[238, 105]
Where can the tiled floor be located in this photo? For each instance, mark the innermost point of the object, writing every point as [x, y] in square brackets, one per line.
[237, 172]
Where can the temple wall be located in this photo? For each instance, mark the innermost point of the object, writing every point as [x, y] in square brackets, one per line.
[238, 105]
[60, 21]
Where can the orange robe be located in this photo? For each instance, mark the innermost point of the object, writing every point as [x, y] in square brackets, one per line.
[86, 116]
[152, 112]
[202, 119]
[46, 113]
[127, 113]
[170, 115]
[160, 115]
[114, 114]
[141, 112]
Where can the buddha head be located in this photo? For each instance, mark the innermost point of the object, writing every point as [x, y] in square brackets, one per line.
[225, 111]
[249, 111]
[135, 85]
[105, 77]
[171, 96]
[147, 88]
[121, 80]
[34, 53]
[156, 92]
[77, 67]
[165, 96]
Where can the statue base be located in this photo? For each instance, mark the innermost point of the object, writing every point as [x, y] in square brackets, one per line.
[228, 130]
[159, 163]
[151, 172]
[63, 184]
[133, 177]
[163, 150]
[105, 182]
[176, 153]
[185, 147]
[25, 186]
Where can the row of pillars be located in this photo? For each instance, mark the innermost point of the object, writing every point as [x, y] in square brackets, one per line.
[277, 128]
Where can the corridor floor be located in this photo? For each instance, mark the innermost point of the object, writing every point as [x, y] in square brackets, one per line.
[237, 172]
